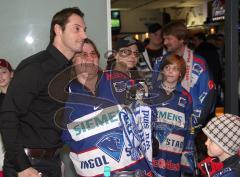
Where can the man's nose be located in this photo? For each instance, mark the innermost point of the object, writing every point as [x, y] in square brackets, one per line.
[84, 35]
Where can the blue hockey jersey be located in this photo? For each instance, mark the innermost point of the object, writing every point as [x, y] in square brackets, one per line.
[172, 130]
[94, 131]
[202, 89]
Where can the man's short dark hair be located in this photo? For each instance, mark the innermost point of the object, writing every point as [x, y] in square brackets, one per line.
[61, 18]
[154, 27]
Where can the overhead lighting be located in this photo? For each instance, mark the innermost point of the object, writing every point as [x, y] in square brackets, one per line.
[29, 39]
[146, 35]
[212, 30]
[136, 36]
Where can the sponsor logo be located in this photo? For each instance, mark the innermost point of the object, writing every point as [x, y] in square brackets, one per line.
[117, 75]
[169, 116]
[94, 123]
[93, 163]
[197, 68]
[182, 102]
[211, 85]
[112, 144]
[165, 104]
[146, 121]
[96, 107]
[172, 143]
[97, 121]
[162, 134]
[120, 86]
[166, 164]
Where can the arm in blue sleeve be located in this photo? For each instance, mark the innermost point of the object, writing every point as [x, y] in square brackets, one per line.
[203, 94]
[187, 159]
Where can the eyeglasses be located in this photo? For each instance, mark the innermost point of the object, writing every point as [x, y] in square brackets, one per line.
[92, 54]
[173, 68]
[127, 52]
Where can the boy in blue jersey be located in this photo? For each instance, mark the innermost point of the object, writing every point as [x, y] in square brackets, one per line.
[197, 80]
[173, 121]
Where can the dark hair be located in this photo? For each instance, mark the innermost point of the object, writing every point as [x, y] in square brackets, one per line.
[111, 62]
[177, 29]
[5, 64]
[172, 59]
[154, 27]
[61, 18]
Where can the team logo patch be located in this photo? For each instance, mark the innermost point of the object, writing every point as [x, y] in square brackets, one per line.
[163, 133]
[182, 102]
[211, 84]
[112, 144]
[197, 68]
[120, 86]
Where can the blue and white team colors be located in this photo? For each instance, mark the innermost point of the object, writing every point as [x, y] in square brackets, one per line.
[198, 82]
[172, 130]
[95, 132]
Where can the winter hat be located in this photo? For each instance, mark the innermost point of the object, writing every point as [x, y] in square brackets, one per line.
[5, 64]
[225, 132]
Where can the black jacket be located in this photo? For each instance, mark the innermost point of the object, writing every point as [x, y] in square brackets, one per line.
[1, 98]
[231, 167]
[27, 113]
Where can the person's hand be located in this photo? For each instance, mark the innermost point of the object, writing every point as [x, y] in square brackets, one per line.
[29, 172]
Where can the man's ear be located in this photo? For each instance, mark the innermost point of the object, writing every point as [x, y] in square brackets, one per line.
[57, 29]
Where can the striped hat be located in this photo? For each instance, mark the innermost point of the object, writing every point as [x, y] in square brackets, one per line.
[225, 132]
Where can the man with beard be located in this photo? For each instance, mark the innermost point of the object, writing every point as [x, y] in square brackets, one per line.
[197, 80]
